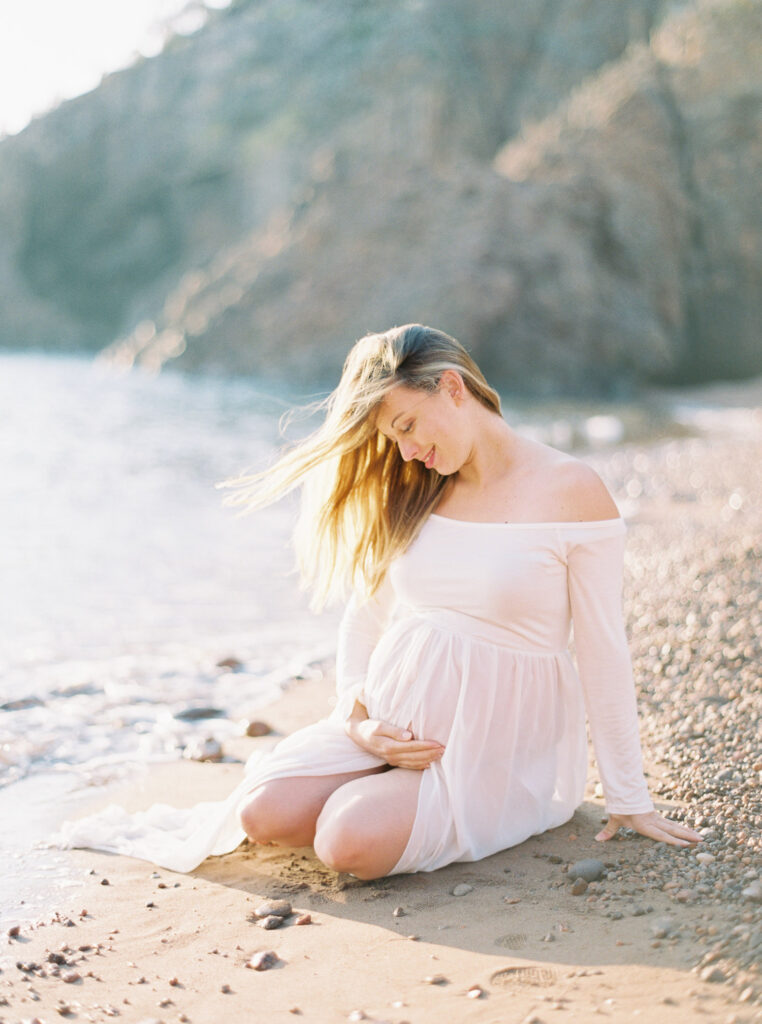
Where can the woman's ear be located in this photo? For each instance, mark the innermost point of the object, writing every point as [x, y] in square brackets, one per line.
[453, 384]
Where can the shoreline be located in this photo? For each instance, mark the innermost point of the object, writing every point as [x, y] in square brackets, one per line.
[661, 936]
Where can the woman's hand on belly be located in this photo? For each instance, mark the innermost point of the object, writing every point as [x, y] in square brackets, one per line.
[392, 744]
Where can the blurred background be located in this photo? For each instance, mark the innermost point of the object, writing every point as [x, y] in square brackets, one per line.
[231, 193]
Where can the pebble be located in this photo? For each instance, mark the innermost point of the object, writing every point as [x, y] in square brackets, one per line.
[208, 749]
[463, 889]
[475, 992]
[704, 857]
[262, 961]
[70, 977]
[753, 893]
[579, 887]
[661, 927]
[270, 922]
[399, 912]
[257, 728]
[436, 979]
[14, 931]
[590, 869]
[712, 974]
[303, 919]
[233, 664]
[273, 908]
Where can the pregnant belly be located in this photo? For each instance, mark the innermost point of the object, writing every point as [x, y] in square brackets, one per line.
[416, 677]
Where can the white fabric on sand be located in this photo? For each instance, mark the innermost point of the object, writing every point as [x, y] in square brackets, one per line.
[466, 643]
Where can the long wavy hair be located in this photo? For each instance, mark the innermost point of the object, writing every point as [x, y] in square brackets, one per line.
[362, 504]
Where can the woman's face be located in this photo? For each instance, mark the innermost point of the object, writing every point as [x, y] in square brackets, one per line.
[427, 425]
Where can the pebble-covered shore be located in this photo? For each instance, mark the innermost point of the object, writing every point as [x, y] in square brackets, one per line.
[693, 606]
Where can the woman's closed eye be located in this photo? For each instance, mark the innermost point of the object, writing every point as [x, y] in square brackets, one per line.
[408, 427]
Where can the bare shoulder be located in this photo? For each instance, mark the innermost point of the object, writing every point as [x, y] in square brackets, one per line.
[580, 493]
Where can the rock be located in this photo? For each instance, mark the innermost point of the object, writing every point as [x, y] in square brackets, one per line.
[475, 992]
[753, 893]
[303, 919]
[270, 922]
[590, 869]
[262, 961]
[463, 889]
[705, 857]
[196, 713]
[579, 887]
[70, 977]
[398, 912]
[14, 931]
[208, 749]
[258, 728]
[273, 908]
[233, 664]
[436, 979]
[712, 974]
[661, 927]
[22, 704]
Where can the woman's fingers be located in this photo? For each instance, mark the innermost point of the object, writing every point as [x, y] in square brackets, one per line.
[652, 825]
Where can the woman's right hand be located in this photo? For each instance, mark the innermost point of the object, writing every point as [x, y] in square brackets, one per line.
[394, 745]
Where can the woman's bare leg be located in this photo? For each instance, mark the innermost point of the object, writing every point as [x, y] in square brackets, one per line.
[365, 825]
[285, 811]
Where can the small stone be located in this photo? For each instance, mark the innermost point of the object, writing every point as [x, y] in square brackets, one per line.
[712, 974]
[685, 895]
[56, 958]
[226, 989]
[753, 893]
[705, 858]
[207, 749]
[304, 919]
[475, 992]
[463, 889]
[105, 881]
[436, 979]
[357, 1015]
[262, 961]
[579, 887]
[270, 922]
[257, 728]
[661, 927]
[273, 908]
[398, 912]
[233, 664]
[590, 869]
[14, 931]
[70, 977]
[174, 982]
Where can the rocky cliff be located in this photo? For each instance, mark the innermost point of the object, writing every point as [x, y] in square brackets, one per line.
[569, 186]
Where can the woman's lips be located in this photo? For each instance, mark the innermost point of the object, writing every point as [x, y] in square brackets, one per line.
[429, 460]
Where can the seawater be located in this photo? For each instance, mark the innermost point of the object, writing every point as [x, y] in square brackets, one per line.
[125, 580]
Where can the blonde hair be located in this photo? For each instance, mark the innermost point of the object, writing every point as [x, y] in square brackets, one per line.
[362, 504]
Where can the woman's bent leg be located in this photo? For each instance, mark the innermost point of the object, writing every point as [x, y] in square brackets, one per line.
[365, 825]
[285, 811]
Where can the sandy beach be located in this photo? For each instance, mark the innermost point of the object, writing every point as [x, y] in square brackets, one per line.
[661, 934]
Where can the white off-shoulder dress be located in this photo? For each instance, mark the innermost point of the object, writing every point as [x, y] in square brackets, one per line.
[467, 643]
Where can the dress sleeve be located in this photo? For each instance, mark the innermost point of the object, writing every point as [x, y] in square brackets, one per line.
[362, 624]
[594, 556]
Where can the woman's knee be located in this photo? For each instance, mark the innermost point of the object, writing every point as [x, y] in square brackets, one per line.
[344, 846]
[266, 816]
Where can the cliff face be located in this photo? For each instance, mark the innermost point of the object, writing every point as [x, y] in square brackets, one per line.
[568, 186]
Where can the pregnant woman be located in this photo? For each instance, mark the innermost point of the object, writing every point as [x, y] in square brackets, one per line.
[460, 724]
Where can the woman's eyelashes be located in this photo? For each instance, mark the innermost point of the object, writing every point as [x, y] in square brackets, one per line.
[408, 427]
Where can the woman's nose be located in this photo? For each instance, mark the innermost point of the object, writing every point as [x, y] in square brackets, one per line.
[407, 450]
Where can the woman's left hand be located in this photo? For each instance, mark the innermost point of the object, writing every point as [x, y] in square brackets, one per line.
[653, 825]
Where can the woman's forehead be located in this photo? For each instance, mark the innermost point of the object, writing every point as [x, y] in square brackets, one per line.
[400, 399]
